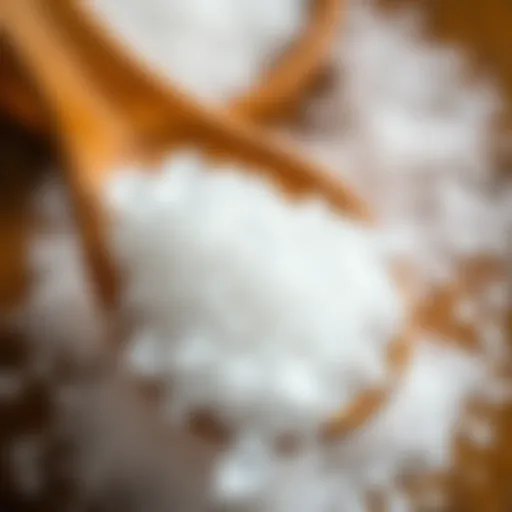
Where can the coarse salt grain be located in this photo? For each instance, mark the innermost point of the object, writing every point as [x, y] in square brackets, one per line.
[466, 311]
[479, 431]
[398, 502]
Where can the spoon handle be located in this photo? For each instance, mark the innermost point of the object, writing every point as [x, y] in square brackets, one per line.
[88, 128]
[82, 113]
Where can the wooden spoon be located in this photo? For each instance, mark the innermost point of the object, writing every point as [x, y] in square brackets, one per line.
[278, 90]
[98, 137]
[277, 93]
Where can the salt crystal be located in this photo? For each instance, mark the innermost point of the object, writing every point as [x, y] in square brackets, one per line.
[479, 431]
[144, 357]
[398, 502]
[244, 471]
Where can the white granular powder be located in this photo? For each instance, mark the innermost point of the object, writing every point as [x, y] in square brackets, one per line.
[275, 314]
[215, 48]
[404, 126]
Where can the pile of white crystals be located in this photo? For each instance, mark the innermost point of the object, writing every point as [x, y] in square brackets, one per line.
[412, 435]
[414, 431]
[404, 126]
[215, 48]
[272, 314]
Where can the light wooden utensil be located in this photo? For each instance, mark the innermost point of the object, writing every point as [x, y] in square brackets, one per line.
[278, 92]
